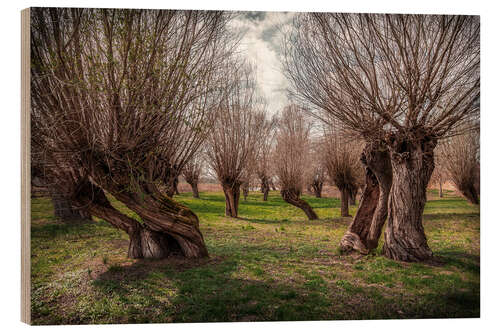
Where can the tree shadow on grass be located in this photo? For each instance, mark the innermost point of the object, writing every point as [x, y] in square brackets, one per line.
[205, 290]
[460, 260]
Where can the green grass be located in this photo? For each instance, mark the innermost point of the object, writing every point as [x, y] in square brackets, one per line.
[269, 264]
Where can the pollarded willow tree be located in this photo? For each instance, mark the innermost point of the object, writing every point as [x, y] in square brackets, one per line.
[263, 160]
[291, 157]
[460, 157]
[402, 82]
[232, 143]
[341, 160]
[317, 174]
[121, 100]
[192, 172]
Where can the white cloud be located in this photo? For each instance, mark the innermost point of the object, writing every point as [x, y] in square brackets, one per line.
[260, 44]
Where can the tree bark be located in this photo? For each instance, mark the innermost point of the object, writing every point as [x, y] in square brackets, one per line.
[412, 164]
[194, 188]
[177, 226]
[293, 198]
[232, 194]
[344, 202]
[365, 229]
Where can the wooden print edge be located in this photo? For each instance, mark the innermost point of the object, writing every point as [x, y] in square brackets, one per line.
[25, 169]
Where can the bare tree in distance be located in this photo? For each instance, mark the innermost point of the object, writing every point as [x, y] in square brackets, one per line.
[263, 160]
[291, 157]
[440, 174]
[402, 82]
[232, 143]
[341, 160]
[460, 157]
[192, 172]
[317, 174]
[121, 101]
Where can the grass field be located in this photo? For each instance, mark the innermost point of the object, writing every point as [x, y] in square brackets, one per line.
[270, 264]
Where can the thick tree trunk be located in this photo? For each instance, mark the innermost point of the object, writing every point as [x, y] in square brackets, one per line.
[356, 235]
[293, 198]
[232, 194]
[176, 225]
[412, 164]
[344, 202]
[365, 229]
[194, 188]
[95, 200]
[64, 210]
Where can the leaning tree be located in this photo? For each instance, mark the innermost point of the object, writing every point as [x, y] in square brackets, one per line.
[402, 82]
[232, 143]
[291, 157]
[460, 157]
[121, 100]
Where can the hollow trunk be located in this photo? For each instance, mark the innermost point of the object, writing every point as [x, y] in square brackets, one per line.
[194, 188]
[412, 165]
[365, 229]
[293, 198]
[232, 194]
[344, 202]
[64, 209]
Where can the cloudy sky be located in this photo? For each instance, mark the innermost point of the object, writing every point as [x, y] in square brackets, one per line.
[261, 44]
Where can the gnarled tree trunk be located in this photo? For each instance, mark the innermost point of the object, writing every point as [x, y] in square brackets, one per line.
[232, 194]
[174, 225]
[365, 229]
[293, 198]
[412, 165]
